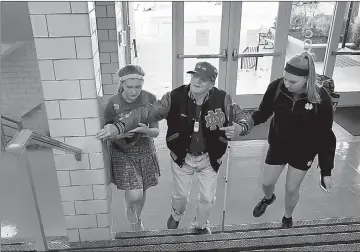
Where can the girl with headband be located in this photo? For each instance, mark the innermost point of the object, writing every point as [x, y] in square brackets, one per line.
[300, 129]
[134, 164]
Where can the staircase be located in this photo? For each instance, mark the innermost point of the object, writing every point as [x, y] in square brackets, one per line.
[333, 234]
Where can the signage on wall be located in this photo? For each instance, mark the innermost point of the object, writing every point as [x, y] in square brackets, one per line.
[202, 37]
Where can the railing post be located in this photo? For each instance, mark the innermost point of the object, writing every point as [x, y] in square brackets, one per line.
[40, 239]
[3, 141]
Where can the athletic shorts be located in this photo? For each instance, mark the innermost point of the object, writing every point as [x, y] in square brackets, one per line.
[279, 155]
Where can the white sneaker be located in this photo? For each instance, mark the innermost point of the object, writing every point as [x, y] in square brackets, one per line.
[138, 226]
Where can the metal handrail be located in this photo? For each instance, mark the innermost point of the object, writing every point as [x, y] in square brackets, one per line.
[344, 53]
[10, 119]
[3, 135]
[18, 144]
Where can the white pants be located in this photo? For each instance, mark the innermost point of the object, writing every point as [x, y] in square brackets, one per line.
[207, 179]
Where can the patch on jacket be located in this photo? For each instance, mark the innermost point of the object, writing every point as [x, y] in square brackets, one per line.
[214, 119]
[116, 106]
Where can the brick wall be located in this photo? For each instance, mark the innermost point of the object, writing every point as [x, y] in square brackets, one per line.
[66, 39]
[108, 46]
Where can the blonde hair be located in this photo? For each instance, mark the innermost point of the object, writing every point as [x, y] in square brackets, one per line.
[305, 61]
[126, 70]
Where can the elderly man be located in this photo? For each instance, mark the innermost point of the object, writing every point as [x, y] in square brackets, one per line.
[199, 118]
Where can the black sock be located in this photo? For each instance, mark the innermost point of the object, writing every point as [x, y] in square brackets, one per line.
[269, 200]
[287, 219]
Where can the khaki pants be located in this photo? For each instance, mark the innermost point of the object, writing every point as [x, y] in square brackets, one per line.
[207, 179]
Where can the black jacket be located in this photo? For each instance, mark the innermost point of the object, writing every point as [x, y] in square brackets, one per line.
[305, 129]
[181, 118]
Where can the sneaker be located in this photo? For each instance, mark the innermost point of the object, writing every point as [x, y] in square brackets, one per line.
[171, 223]
[138, 226]
[287, 222]
[262, 205]
[205, 230]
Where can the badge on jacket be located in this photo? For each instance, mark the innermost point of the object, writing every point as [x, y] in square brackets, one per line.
[308, 106]
[214, 119]
[116, 106]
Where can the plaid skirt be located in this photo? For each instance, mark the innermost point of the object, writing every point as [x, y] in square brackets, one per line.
[136, 167]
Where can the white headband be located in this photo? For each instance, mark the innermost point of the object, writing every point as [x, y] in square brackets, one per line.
[131, 76]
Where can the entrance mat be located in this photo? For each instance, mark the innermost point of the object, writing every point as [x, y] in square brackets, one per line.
[349, 119]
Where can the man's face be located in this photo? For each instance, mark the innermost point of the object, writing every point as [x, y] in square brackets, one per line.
[199, 84]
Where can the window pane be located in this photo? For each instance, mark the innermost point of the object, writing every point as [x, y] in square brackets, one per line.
[256, 35]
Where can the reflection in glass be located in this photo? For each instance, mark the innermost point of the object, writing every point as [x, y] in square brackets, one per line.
[347, 67]
[202, 25]
[310, 25]
[8, 230]
[256, 35]
[153, 27]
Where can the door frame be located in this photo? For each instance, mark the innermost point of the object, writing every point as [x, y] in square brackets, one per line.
[250, 101]
[347, 99]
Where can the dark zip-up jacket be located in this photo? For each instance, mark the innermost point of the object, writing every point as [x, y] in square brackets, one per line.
[302, 127]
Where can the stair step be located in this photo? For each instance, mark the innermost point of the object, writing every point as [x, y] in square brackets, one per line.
[175, 239]
[242, 244]
[243, 227]
[306, 235]
[337, 247]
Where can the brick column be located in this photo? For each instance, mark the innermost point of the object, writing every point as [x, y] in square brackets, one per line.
[66, 43]
[108, 46]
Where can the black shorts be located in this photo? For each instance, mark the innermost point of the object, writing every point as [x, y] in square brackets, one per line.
[278, 155]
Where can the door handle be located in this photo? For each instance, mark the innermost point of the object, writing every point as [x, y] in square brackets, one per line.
[237, 55]
[122, 38]
[135, 48]
[222, 55]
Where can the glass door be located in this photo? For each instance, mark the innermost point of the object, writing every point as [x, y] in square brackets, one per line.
[342, 57]
[200, 33]
[257, 48]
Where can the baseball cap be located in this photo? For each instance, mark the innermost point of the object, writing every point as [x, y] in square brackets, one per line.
[205, 70]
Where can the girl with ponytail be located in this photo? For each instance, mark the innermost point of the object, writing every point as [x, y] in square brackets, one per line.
[300, 129]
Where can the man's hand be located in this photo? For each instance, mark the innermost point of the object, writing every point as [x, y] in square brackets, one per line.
[109, 131]
[143, 128]
[233, 131]
[328, 182]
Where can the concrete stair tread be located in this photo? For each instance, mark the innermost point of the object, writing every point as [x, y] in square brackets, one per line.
[343, 233]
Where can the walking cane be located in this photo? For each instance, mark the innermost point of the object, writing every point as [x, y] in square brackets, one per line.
[230, 119]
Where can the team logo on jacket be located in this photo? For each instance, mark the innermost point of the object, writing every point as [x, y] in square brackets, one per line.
[308, 106]
[214, 119]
